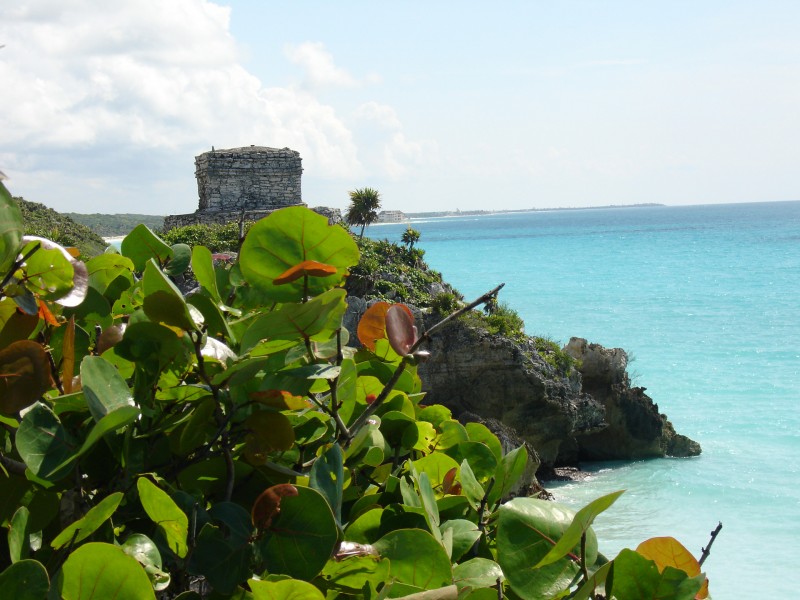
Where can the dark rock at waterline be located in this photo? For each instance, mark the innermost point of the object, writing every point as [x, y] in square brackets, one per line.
[635, 428]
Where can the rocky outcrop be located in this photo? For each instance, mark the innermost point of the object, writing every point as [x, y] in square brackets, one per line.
[589, 413]
[635, 428]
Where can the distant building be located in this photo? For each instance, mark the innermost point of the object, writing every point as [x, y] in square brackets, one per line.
[391, 216]
[251, 181]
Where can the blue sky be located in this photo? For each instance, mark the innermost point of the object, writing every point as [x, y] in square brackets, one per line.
[438, 105]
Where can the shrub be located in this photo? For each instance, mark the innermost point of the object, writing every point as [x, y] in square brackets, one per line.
[232, 444]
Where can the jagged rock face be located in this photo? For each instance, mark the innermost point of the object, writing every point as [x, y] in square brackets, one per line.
[492, 376]
[635, 427]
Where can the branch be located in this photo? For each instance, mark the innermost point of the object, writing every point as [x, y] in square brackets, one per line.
[490, 295]
[707, 549]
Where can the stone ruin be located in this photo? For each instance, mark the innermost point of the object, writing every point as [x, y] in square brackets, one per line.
[247, 183]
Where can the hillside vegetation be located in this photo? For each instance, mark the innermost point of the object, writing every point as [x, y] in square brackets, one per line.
[115, 225]
[45, 222]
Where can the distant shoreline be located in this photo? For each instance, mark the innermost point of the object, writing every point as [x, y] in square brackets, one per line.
[469, 213]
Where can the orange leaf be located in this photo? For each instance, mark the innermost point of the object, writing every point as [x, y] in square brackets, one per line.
[280, 399]
[46, 315]
[306, 268]
[447, 482]
[268, 504]
[669, 552]
[372, 325]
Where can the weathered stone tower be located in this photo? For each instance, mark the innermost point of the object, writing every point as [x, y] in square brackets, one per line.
[254, 181]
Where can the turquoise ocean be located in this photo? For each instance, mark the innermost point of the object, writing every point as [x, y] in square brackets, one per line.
[706, 301]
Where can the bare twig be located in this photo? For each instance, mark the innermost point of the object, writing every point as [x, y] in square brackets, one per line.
[707, 549]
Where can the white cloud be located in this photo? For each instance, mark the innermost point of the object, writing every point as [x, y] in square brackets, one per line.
[143, 78]
[318, 64]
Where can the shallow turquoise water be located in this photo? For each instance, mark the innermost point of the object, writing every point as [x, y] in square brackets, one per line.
[707, 301]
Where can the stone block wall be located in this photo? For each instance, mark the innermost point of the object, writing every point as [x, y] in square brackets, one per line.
[249, 178]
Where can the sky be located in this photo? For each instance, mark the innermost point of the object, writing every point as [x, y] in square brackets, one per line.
[438, 105]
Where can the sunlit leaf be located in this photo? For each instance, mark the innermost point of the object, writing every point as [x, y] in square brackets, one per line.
[144, 550]
[89, 523]
[288, 589]
[527, 529]
[24, 375]
[104, 388]
[105, 268]
[98, 571]
[163, 511]
[669, 552]
[163, 302]
[635, 576]
[10, 229]
[287, 238]
[44, 444]
[579, 526]
[307, 268]
[141, 244]
[372, 325]
[52, 273]
[416, 558]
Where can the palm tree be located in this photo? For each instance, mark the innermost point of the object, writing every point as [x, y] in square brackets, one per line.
[363, 209]
[410, 237]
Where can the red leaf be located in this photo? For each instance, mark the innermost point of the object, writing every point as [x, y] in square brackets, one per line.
[400, 328]
[268, 504]
[307, 267]
[447, 482]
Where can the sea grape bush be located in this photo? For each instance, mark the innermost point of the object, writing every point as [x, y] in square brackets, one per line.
[233, 444]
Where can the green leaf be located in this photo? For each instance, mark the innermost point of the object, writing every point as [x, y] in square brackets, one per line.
[105, 268]
[416, 558]
[469, 484]
[10, 229]
[144, 550]
[44, 444]
[477, 573]
[163, 302]
[141, 244]
[478, 432]
[580, 524]
[104, 388]
[465, 534]
[163, 511]
[181, 257]
[91, 521]
[49, 273]
[288, 589]
[288, 237]
[429, 505]
[224, 562]
[151, 345]
[25, 580]
[302, 536]
[203, 269]
[19, 535]
[327, 477]
[356, 571]
[635, 577]
[436, 466]
[527, 529]
[98, 571]
[596, 579]
[508, 473]
[315, 320]
[480, 457]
